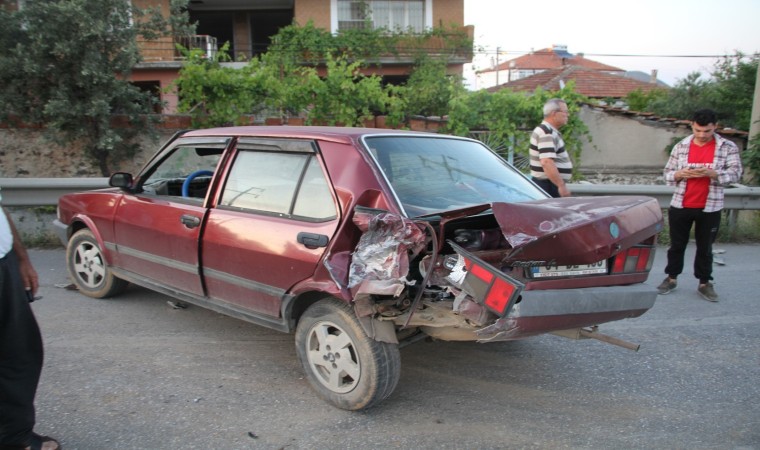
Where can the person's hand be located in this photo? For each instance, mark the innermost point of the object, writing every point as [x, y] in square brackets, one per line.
[708, 173]
[701, 172]
[29, 276]
[564, 191]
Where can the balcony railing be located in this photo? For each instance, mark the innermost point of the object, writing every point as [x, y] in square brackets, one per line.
[165, 49]
[455, 44]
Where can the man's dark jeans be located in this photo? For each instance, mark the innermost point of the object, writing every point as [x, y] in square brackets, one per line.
[706, 227]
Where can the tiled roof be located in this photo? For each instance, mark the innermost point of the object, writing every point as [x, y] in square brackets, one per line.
[547, 58]
[591, 83]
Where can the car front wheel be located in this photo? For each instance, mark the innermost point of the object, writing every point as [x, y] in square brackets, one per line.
[88, 269]
[344, 366]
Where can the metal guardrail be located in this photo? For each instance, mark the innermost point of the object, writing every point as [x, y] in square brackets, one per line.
[737, 196]
[45, 191]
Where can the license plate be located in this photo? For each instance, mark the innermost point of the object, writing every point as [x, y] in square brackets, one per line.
[570, 270]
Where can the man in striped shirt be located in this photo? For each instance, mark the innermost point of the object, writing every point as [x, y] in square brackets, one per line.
[550, 164]
[699, 167]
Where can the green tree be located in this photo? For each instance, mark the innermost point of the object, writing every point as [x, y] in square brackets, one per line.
[688, 95]
[65, 66]
[509, 117]
[429, 89]
[215, 95]
[346, 96]
[218, 95]
[639, 100]
[728, 91]
[734, 88]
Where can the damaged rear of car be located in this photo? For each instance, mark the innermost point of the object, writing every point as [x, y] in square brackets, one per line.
[476, 252]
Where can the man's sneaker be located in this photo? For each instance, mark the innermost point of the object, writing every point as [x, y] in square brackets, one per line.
[666, 286]
[707, 292]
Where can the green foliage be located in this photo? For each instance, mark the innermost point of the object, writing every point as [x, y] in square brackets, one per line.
[751, 161]
[429, 89]
[511, 116]
[729, 91]
[345, 96]
[216, 95]
[293, 44]
[278, 80]
[735, 85]
[311, 44]
[689, 95]
[65, 65]
[638, 100]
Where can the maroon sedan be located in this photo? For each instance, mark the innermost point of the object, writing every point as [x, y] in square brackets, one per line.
[361, 241]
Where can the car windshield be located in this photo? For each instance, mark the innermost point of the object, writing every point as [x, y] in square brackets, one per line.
[434, 174]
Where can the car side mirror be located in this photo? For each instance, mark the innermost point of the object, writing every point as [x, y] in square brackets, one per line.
[121, 180]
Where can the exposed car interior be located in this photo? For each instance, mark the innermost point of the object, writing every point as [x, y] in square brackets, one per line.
[185, 172]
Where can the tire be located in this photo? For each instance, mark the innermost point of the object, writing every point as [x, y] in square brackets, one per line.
[344, 366]
[88, 268]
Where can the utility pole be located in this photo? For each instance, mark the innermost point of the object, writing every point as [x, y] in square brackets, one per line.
[497, 65]
[754, 122]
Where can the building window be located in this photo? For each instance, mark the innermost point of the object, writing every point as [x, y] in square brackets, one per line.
[394, 15]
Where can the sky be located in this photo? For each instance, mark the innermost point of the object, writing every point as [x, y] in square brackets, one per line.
[671, 33]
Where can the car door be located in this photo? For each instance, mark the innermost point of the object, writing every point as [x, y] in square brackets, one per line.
[157, 230]
[269, 229]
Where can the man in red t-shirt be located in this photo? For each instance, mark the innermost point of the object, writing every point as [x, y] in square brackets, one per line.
[699, 166]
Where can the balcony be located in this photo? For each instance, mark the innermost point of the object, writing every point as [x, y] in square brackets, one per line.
[454, 44]
[164, 50]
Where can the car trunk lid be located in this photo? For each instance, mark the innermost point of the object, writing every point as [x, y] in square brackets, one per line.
[576, 230]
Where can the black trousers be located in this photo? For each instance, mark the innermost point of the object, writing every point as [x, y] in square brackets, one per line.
[20, 357]
[706, 226]
[547, 186]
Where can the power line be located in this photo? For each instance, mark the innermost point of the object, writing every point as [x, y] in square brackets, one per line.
[498, 51]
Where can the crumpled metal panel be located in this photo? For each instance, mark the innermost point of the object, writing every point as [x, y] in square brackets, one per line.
[586, 229]
[381, 260]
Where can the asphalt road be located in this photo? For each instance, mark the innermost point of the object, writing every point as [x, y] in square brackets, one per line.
[133, 373]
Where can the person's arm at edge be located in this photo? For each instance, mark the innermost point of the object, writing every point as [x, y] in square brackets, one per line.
[670, 173]
[551, 172]
[733, 171]
[28, 274]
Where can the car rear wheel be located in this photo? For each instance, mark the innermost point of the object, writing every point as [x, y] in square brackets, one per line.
[344, 366]
[88, 269]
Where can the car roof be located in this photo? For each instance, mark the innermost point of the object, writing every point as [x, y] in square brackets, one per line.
[338, 134]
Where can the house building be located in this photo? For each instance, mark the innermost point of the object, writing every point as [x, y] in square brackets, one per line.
[594, 84]
[536, 62]
[248, 25]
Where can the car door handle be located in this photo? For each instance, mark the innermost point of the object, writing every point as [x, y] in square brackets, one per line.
[312, 240]
[190, 221]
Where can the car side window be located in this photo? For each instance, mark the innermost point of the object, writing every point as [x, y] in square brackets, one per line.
[314, 199]
[282, 183]
[186, 172]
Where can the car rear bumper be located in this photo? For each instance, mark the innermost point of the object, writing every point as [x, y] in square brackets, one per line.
[541, 312]
[585, 300]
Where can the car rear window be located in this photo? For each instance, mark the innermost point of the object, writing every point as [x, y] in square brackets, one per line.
[432, 174]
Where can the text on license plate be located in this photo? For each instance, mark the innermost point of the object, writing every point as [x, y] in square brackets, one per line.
[571, 270]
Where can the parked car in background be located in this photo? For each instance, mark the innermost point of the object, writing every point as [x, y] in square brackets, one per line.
[361, 241]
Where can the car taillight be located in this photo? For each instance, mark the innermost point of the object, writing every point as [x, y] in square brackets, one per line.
[634, 259]
[488, 286]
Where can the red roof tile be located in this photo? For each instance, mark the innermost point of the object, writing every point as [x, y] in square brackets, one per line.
[591, 83]
[546, 58]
